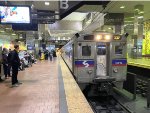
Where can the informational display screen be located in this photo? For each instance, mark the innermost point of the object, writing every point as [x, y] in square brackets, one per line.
[14, 14]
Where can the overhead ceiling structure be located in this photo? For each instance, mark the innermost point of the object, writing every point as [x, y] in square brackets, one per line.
[66, 25]
[123, 7]
[40, 13]
[76, 16]
[46, 13]
[71, 18]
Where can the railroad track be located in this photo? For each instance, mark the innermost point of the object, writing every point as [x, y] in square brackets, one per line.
[106, 105]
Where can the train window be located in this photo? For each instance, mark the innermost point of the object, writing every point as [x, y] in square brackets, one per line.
[101, 50]
[86, 50]
[118, 50]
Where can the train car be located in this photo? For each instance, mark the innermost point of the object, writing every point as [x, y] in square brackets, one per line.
[97, 61]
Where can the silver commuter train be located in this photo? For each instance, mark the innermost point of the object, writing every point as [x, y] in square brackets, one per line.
[97, 61]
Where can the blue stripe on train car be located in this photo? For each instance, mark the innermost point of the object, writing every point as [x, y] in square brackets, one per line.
[84, 63]
[119, 62]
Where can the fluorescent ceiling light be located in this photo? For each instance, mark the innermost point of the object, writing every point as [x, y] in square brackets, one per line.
[46, 3]
[140, 17]
[13, 34]
[122, 7]
[2, 31]
[131, 17]
[141, 12]
[7, 28]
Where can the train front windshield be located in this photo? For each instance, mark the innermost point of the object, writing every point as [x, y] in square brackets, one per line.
[101, 50]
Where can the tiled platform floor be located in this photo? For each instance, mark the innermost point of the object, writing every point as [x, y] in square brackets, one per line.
[39, 92]
[42, 91]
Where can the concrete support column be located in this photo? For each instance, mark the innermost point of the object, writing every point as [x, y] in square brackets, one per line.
[138, 31]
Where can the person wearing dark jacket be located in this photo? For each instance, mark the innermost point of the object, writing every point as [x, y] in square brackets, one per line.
[5, 62]
[9, 63]
[15, 63]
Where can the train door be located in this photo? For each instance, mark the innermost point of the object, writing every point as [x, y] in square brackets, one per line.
[119, 61]
[84, 62]
[102, 60]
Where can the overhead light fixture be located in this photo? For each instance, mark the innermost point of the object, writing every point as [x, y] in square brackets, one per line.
[141, 12]
[122, 7]
[110, 28]
[13, 34]
[140, 17]
[2, 31]
[132, 17]
[7, 28]
[47, 3]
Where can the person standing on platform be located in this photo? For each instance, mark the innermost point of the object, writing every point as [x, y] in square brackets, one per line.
[40, 54]
[9, 64]
[54, 54]
[15, 63]
[50, 55]
[5, 62]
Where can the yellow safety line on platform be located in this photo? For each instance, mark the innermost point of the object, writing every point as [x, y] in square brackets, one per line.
[144, 63]
[76, 101]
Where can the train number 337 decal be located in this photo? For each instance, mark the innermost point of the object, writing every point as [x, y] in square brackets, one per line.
[84, 63]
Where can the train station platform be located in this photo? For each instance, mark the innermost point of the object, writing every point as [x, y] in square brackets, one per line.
[48, 87]
[141, 62]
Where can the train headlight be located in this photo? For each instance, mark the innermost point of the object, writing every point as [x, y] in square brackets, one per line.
[107, 37]
[98, 37]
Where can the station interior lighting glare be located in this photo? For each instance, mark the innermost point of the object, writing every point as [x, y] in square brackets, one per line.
[141, 12]
[132, 17]
[107, 37]
[47, 3]
[13, 34]
[2, 31]
[7, 28]
[122, 7]
[140, 17]
[98, 37]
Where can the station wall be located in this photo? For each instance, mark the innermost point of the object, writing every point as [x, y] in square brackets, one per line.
[146, 40]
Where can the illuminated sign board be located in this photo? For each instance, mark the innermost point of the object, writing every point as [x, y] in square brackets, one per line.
[117, 37]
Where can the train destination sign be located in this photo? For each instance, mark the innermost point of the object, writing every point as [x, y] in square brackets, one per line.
[117, 37]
